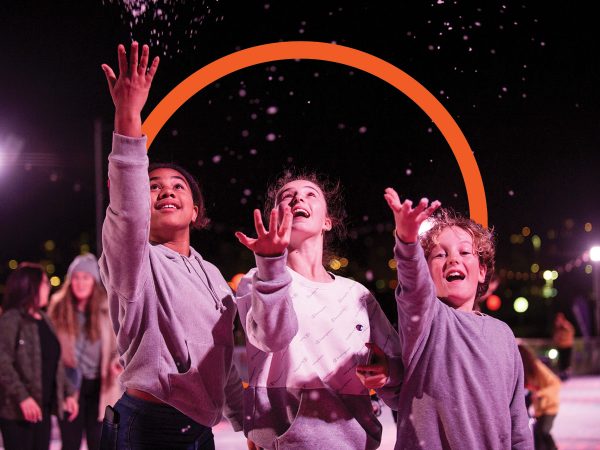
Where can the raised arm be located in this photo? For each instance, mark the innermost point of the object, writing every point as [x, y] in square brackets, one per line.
[415, 294]
[264, 301]
[126, 227]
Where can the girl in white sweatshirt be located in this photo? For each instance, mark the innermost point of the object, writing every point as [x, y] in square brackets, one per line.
[307, 328]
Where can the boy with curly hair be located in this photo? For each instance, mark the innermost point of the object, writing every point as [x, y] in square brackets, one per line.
[463, 379]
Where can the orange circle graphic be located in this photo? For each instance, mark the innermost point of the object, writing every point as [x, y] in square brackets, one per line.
[341, 55]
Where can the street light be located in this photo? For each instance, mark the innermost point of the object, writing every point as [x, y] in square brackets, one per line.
[595, 258]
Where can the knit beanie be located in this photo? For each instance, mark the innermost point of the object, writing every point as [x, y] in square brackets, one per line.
[85, 263]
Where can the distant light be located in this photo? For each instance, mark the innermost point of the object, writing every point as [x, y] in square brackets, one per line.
[493, 302]
[553, 353]
[49, 245]
[547, 291]
[547, 275]
[235, 281]
[587, 227]
[393, 284]
[551, 234]
[50, 268]
[335, 264]
[369, 275]
[13, 264]
[554, 274]
[536, 241]
[55, 281]
[84, 248]
[392, 264]
[535, 268]
[344, 262]
[380, 284]
[521, 304]
[588, 269]
[526, 231]
[426, 225]
[595, 253]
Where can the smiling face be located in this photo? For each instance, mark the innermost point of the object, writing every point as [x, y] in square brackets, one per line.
[308, 206]
[455, 268]
[172, 204]
[82, 285]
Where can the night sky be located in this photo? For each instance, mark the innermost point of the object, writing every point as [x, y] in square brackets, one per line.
[520, 79]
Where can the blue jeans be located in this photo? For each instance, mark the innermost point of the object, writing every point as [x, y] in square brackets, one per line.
[145, 425]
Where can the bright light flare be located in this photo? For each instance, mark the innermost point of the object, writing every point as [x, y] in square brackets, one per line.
[521, 305]
[595, 253]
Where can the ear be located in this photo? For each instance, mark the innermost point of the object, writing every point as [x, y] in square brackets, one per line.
[482, 273]
[327, 225]
[195, 214]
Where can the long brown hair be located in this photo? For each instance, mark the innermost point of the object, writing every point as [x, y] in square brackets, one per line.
[63, 307]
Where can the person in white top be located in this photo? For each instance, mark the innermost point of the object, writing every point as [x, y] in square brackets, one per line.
[308, 331]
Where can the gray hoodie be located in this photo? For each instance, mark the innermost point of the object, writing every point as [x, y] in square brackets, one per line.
[173, 315]
[463, 383]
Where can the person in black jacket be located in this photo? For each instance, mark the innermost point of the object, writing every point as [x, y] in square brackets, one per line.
[32, 380]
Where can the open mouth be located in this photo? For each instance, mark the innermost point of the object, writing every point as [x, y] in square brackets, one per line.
[454, 276]
[166, 206]
[300, 212]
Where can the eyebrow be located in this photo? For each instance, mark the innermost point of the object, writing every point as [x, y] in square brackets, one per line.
[289, 189]
[174, 176]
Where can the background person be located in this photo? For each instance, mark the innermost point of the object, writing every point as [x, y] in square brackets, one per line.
[32, 378]
[544, 386]
[79, 312]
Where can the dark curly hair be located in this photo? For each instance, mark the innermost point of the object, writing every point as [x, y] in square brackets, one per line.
[483, 242]
[201, 221]
[332, 192]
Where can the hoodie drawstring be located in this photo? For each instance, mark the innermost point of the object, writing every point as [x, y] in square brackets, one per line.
[218, 302]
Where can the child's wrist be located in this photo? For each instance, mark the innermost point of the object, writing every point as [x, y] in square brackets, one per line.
[405, 238]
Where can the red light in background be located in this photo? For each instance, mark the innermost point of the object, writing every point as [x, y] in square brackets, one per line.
[493, 302]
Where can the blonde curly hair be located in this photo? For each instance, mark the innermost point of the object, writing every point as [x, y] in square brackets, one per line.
[483, 242]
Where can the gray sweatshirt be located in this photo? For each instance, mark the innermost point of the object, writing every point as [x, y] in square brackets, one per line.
[173, 315]
[304, 340]
[463, 381]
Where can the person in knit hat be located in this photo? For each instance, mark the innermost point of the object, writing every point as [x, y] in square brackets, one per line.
[79, 312]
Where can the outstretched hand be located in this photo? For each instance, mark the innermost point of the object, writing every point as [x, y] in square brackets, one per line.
[409, 219]
[272, 242]
[129, 91]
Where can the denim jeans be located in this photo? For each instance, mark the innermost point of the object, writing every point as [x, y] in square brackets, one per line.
[145, 425]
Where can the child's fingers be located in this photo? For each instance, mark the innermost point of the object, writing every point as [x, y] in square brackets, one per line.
[122, 57]
[273, 219]
[258, 224]
[286, 223]
[153, 68]
[133, 58]
[392, 197]
[143, 60]
[244, 240]
[110, 75]
[430, 210]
